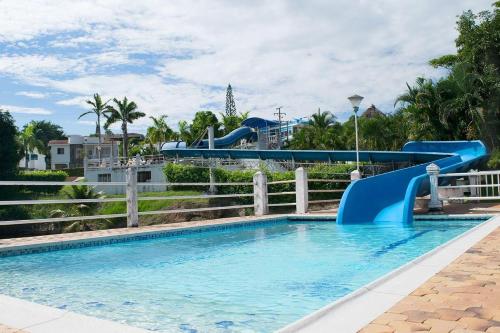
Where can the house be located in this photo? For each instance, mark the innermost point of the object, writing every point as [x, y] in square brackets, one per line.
[36, 161]
[70, 152]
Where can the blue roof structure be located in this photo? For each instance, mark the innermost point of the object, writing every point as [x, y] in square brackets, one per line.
[256, 122]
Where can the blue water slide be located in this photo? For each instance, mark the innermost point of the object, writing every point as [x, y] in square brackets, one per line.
[230, 139]
[390, 197]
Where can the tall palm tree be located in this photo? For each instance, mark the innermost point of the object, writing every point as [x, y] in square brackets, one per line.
[160, 131]
[29, 142]
[322, 120]
[98, 108]
[124, 112]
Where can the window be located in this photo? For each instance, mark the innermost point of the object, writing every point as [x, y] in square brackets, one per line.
[104, 178]
[143, 176]
[33, 157]
[60, 151]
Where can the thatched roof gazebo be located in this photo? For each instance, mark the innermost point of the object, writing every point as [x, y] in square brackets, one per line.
[372, 112]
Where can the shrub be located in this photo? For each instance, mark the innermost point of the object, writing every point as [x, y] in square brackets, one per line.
[74, 172]
[13, 213]
[177, 173]
[494, 161]
[45, 175]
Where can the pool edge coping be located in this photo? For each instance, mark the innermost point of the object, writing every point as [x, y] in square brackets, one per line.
[343, 303]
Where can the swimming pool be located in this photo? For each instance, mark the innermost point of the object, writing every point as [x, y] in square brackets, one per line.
[251, 278]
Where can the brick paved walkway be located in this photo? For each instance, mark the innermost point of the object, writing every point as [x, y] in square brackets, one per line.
[5, 329]
[462, 298]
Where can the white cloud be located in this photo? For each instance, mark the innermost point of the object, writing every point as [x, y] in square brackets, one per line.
[87, 123]
[302, 55]
[32, 94]
[25, 110]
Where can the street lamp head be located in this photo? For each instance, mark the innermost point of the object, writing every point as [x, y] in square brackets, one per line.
[355, 100]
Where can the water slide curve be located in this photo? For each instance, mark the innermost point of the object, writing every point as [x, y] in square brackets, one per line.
[385, 198]
[390, 197]
[228, 140]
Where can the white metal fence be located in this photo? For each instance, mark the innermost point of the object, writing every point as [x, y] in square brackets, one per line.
[260, 195]
[474, 185]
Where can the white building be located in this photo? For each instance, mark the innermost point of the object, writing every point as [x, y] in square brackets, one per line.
[146, 173]
[36, 161]
[70, 153]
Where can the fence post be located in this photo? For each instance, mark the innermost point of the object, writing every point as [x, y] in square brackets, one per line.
[132, 210]
[301, 191]
[475, 180]
[85, 166]
[433, 171]
[260, 194]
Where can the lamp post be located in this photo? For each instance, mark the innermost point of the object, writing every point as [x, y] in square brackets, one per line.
[356, 101]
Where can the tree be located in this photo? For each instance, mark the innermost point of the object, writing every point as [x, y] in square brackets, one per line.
[185, 132]
[230, 123]
[230, 105]
[9, 147]
[29, 142]
[322, 132]
[46, 131]
[474, 76]
[98, 109]
[125, 112]
[203, 119]
[160, 131]
[84, 209]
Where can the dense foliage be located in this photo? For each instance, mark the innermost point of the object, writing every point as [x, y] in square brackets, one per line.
[42, 175]
[180, 173]
[9, 149]
[44, 131]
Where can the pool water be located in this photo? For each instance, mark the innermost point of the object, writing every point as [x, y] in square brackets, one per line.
[247, 279]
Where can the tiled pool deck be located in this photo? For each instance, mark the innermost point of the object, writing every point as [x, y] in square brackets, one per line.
[462, 298]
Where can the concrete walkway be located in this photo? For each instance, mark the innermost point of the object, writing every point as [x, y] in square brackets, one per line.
[462, 298]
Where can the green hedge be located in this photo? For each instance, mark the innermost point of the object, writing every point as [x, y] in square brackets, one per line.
[45, 175]
[74, 172]
[178, 173]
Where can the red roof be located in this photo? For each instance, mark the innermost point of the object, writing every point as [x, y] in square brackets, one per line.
[58, 142]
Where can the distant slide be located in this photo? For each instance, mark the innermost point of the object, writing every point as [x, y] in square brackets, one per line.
[229, 139]
[390, 197]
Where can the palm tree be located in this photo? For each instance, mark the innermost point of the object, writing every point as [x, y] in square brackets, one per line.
[125, 112]
[29, 142]
[322, 120]
[185, 132]
[76, 192]
[98, 108]
[159, 132]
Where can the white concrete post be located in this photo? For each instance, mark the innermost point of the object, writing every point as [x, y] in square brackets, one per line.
[433, 171]
[132, 209]
[474, 180]
[301, 191]
[260, 201]
[355, 175]
[211, 145]
[85, 166]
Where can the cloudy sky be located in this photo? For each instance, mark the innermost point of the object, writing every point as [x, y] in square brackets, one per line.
[177, 57]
